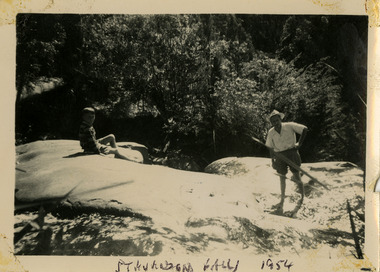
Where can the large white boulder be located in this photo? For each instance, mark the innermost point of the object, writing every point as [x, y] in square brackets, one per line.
[159, 210]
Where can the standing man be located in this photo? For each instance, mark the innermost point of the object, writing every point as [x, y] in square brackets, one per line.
[282, 139]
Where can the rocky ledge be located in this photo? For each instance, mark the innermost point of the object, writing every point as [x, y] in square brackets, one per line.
[98, 205]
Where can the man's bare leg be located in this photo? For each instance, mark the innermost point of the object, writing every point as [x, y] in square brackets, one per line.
[297, 179]
[279, 206]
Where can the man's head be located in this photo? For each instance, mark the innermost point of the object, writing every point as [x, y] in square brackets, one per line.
[275, 119]
[88, 115]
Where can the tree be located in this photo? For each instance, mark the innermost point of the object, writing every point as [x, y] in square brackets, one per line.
[211, 79]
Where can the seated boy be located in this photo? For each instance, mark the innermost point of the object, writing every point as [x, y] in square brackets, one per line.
[88, 141]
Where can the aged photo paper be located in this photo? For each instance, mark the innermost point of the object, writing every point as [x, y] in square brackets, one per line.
[213, 238]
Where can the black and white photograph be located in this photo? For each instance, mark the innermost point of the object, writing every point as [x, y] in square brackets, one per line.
[192, 135]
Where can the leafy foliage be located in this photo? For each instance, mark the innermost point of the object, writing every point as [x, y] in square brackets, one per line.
[210, 79]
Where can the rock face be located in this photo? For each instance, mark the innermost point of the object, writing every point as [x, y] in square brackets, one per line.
[142, 150]
[120, 207]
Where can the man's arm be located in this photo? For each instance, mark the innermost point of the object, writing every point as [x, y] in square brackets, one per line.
[269, 144]
[271, 152]
[302, 138]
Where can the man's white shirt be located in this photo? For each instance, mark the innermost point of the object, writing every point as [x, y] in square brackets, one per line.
[286, 139]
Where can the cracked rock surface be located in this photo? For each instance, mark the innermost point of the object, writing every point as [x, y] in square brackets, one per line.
[118, 207]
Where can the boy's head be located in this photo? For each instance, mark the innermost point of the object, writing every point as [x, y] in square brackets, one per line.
[88, 115]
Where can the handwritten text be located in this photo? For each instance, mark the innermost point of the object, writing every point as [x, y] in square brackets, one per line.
[269, 263]
[208, 266]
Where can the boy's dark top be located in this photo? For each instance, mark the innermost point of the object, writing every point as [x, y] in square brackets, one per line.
[87, 138]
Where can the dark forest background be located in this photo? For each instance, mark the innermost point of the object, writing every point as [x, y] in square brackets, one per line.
[195, 85]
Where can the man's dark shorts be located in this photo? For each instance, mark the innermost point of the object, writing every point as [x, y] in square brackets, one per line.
[282, 167]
